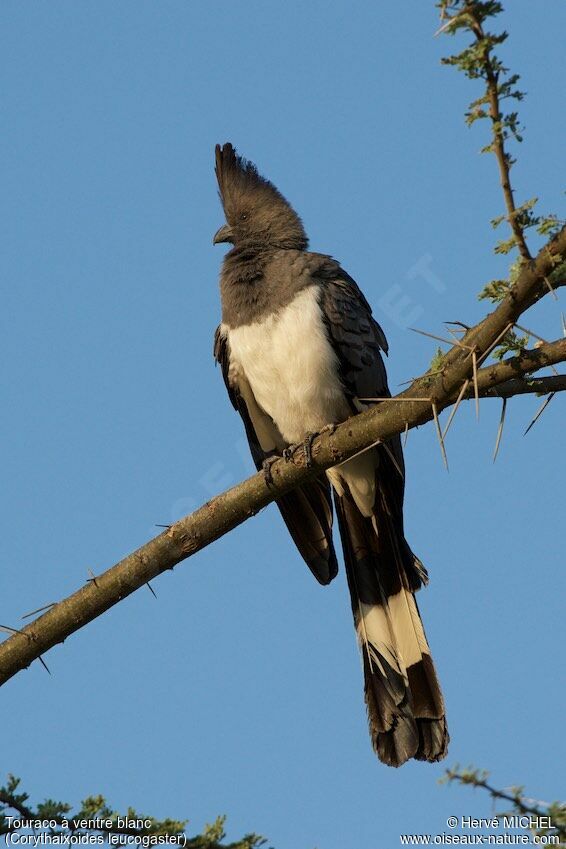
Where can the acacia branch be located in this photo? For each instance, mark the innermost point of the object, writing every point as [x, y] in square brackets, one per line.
[530, 386]
[478, 61]
[415, 406]
[475, 778]
[508, 378]
[503, 161]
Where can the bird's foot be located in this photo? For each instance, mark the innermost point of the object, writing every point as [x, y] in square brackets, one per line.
[306, 446]
[266, 468]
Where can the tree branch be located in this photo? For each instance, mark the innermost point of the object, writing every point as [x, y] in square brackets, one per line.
[505, 379]
[478, 61]
[503, 161]
[546, 819]
[530, 386]
[413, 407]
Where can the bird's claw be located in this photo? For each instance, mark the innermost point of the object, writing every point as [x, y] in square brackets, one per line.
[329, 428]
[266, 468]
[306, 446]
[288, 452]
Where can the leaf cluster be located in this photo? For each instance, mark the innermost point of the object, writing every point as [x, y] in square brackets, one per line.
[96, 808]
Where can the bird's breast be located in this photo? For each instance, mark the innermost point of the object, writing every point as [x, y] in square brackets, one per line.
[291, 367]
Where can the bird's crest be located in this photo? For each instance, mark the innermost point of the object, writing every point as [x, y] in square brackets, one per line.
[254, 207]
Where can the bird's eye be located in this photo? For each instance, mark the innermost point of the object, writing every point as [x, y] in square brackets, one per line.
[244, 216]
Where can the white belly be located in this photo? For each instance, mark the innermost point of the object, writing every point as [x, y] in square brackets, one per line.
[291, 367]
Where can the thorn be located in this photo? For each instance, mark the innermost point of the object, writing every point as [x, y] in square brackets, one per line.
[439, 434]
[465, 385]
[488, 351]
[150, 588]
[39, 609]
[10, 630]
[476, 390]
[530, 333]
[446, 24]
[394, 460]
[461, 324]
[540, 339]
[450, 342]
[454, 332]
[92, 578]
[406, 434]
[43, 663]
[550, 288]
[541, 410]
[162, 526]
[500, 429]
[563, 324]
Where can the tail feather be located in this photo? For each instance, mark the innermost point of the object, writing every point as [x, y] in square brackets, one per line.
[404, 701]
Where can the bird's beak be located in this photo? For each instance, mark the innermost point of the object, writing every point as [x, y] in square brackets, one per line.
[223, 235]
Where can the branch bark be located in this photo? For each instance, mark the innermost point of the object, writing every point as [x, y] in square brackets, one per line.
[413, 407]
[533, 386]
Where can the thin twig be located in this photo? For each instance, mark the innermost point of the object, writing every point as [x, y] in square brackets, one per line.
[497, 794]
[501, 155]
[150, 588]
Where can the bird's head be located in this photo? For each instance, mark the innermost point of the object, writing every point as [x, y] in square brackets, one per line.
[256, 212]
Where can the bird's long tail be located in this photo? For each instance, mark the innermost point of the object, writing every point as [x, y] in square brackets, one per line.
[403, 697]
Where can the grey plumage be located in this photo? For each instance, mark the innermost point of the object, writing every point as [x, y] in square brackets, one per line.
[299, 348]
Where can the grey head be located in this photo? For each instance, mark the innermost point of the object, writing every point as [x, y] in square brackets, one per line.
[257, 214]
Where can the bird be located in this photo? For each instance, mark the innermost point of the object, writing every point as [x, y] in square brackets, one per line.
[299, 349]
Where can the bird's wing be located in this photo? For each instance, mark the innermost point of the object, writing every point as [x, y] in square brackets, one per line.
[307, 510]
[358, 340]
[404, 701]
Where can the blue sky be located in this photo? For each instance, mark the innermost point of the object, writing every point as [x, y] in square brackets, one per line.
[239, 690]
